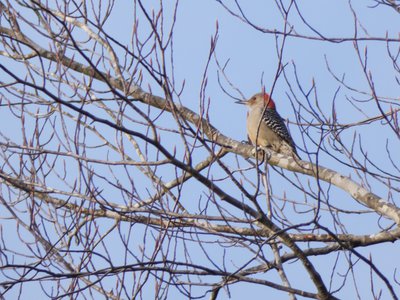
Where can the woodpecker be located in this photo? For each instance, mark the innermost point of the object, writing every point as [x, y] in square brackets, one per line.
[265, 127]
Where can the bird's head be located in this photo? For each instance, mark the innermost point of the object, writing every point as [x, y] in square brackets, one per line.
[260, 99]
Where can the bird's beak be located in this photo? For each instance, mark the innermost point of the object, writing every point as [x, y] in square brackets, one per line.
[244, 102]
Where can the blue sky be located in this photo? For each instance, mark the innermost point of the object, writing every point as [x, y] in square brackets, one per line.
[251, 60]
[252, 57]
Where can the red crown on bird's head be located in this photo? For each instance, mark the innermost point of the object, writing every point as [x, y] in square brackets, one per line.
[268, 100]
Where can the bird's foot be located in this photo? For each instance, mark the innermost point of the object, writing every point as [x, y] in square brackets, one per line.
[260, 154]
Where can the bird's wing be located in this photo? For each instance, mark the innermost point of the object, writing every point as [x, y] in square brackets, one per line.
[273, 120]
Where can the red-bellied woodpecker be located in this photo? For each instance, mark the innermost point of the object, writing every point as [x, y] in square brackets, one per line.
[265, 127]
